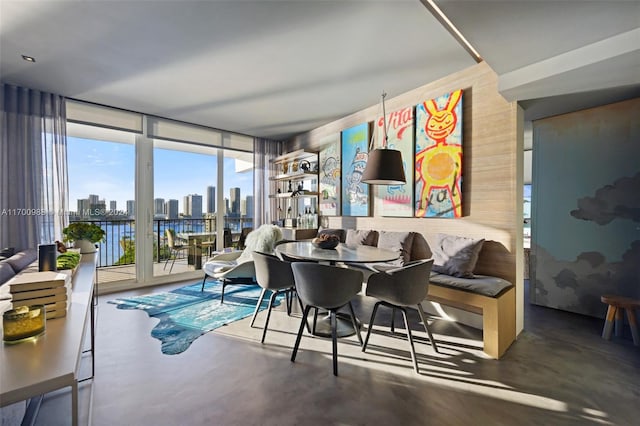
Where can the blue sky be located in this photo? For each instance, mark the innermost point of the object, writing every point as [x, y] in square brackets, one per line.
[108, 170]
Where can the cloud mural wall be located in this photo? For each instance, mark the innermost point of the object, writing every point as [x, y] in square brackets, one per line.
[586, 208]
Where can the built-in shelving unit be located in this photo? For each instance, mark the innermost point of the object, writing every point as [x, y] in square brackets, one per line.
[296, 178]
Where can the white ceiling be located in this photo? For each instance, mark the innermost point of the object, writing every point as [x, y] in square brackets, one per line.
[276, 68]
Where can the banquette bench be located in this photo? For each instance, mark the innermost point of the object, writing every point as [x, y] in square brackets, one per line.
[450, 284]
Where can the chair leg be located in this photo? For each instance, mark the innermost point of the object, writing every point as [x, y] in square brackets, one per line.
[300, 330]
[373, 317]
[426, 327]
[315, 320]
[172, 263]
[393, 319]
[255, 312]
[224, 284]
[203, 281]
[272, 299]
[288, 297]
[302, 310]
[410, 337]
[167, 261]
[334, 340]
[355, 323]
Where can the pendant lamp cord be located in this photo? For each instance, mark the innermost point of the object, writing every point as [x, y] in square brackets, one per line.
[384, 121]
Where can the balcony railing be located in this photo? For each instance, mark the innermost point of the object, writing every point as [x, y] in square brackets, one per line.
[118, 248]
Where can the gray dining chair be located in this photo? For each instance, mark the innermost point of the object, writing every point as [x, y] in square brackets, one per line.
[276, 276]
[398, 289]
[326, 287]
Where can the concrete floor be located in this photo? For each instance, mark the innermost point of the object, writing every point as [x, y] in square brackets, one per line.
[559, 372]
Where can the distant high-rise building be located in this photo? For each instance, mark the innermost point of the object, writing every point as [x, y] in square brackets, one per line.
[193, 206]
[234, 198]
[158, 207]
[171, 209]
[83, 207]
[211, 199]
[226, 207]
[131, 207]
[249, 207]
[113, 206]
[94, 199]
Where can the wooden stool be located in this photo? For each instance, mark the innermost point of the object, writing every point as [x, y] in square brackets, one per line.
[616, 305]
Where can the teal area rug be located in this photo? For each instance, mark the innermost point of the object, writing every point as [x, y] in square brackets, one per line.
[186, 313]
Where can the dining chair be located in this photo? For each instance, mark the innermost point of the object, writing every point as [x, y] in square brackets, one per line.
[275, 275]
[330, 288]
[174, 248]
[239, 245]
[398, 289]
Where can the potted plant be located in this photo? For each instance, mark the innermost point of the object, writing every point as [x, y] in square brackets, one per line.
[84, 235]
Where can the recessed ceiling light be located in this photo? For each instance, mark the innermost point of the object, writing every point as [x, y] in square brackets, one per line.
[28, 58]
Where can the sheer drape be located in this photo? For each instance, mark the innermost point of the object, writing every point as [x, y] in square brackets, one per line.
[33, 167]
[265, 151]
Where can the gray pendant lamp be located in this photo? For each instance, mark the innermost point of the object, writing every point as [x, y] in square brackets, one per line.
[384, 165]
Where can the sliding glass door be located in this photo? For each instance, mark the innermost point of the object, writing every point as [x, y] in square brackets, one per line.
[101, 165]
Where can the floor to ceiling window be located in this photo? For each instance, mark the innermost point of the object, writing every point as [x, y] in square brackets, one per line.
[143, 177]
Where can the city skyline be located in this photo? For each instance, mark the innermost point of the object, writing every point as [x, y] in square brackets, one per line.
[169, 207]
[108, 169]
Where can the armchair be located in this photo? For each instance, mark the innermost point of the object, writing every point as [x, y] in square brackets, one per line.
[237, 267]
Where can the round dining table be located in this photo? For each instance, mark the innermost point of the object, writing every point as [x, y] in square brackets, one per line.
[306, 251]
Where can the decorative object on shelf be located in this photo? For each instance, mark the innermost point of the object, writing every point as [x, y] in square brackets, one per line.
[47, 257]
[384, 166]
[84, 235]
[22, 323]
[290, 187]
[61, 247]
[438, 160]
[294, 167]
[355, 193]
[326, 241]
[285, 167]
[305, 166]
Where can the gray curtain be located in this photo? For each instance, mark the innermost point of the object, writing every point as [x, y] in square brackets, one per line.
[264, 208]
[33, 167]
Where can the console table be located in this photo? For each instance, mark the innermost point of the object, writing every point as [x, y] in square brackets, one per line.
[52, 361]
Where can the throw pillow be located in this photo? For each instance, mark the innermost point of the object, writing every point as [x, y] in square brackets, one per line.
[357, 237]
[455, 256]
[399, 242]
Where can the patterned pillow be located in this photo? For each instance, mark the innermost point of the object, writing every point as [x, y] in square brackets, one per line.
[360, 237]
[455, 256]
[400, 242]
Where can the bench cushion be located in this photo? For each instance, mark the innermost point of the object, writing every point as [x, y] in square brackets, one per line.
[456, 256]
[481, 284]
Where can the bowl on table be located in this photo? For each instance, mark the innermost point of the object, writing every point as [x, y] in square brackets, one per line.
[326, 242]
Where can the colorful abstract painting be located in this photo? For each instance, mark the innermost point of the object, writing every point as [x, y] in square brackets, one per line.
[397, 200]
[438, 161]
[330, 175]
[355, 194]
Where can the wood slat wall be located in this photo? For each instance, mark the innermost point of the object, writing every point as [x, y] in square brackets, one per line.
[492, 173]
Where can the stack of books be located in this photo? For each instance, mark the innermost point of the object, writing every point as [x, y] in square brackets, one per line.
[51, 289]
